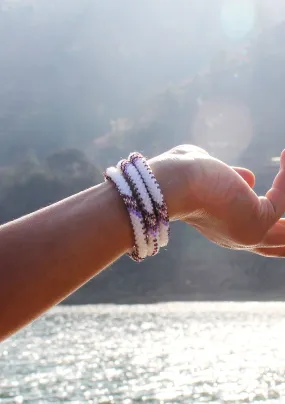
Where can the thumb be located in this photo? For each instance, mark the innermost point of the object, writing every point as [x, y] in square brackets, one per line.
[246, 174]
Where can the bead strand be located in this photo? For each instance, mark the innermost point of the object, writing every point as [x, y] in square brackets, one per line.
[145, 204]
[155, 192]
[140, 249]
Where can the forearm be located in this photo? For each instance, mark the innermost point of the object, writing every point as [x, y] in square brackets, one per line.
[49, 254]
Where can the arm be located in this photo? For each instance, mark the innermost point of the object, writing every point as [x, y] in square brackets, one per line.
[49, 254]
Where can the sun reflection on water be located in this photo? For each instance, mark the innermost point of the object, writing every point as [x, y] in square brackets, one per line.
[175, 353]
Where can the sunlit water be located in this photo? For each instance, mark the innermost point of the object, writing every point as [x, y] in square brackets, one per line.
[165, 353]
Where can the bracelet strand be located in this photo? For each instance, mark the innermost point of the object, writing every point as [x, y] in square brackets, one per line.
[144, 202]
[140, 249]
[155, 192]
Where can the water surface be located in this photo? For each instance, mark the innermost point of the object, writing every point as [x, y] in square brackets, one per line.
[163, 353]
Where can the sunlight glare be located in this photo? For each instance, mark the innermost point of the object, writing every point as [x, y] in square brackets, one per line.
[238, 18]
[224, 128]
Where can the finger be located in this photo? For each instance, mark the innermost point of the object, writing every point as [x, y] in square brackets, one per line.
[259, 214]
[246, 174]
[275, 197]
[275, 237]
[278, 252]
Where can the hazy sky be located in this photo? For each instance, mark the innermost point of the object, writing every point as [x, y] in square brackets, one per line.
[93, 61]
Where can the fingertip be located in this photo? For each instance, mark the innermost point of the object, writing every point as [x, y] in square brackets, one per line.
[282, 160]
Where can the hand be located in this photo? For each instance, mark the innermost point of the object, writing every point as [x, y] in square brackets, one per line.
[218, 200]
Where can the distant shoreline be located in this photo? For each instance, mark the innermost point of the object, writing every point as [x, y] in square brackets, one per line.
[226, 297]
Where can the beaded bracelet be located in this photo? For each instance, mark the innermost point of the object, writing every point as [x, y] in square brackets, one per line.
[145, 204]
[140, 249]
[155, 193]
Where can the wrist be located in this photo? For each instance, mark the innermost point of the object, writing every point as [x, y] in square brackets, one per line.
[175, 183]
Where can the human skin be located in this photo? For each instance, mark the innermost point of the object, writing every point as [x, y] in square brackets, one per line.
[47, 255]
